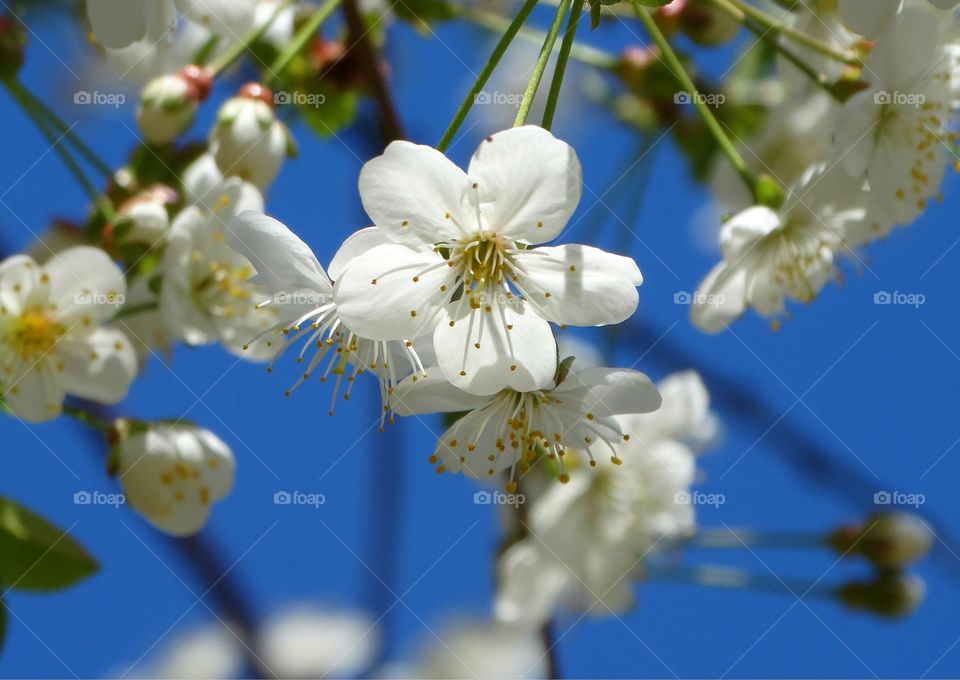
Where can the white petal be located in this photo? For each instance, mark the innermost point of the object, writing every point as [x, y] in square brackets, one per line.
[19, 284]
[85, 282]
[502, 344]
[200, 178]
[855, 135]
[746, 228]
[117, 23]
[356, 244]
[532, 585]
[529, 183]
[230, 18]
[100, 366]
[468, 444]
[720, 299]
[393, 292]
[416, 194]
[433, 394]
[579, 285]
[868, 17]
[906, 51]
[612, 391]
[33, 391]
[283, 262]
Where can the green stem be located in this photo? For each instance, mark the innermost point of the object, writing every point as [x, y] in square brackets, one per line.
[541, 64]
[87, 418]
[585, 54]
[133, 310]
[89, 154]
[239, 48]
[561, 66]
[485, 74]
[747, 10]
[302, 37]
[747, 538]
[736, 579]
[713, 125]
[54, 138]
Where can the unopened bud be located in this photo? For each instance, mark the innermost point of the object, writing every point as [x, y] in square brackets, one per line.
[705, 24]
[13, 38]
[143, 218]
[169, 103]
[247, 140]
[892, 594]
[890, 540]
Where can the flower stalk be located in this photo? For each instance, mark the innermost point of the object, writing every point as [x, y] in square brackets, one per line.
[566, 45]
[541, 64]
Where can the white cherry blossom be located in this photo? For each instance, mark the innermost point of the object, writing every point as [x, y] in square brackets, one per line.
[896, 135]
[300, 298]
[770, 256]
[510, 429]
[206, 295]
[588, 539]
[52, 339]
[173, 473]
[461, 265]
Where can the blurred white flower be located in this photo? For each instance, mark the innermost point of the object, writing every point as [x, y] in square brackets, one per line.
[870, 18]
[206, 295]
[772, 255]
[302, 309]
[52, 339]
[895, 134]
[505, 431]
[119, 23]
[247, 140]
[480, 648]
[173, 473]
[588, 539]
[313, 642]
[212, 652]
[460, 265]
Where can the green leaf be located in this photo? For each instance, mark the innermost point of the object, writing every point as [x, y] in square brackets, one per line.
[35, 555]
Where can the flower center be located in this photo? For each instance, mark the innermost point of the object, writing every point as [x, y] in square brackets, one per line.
[222, 287]
[34, 334]
[484, 260]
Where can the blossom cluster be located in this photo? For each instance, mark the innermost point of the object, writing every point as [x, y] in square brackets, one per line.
[856, 163]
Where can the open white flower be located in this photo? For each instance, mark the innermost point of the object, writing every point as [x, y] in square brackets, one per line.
[510, 429]
[588, 538]
[206, 295]
[896, 134]
[307, 641]
[772, 255]
[299, 295]
[172, 474]
[247, 140]
[461, 266]
[52, 339]
[870, 18]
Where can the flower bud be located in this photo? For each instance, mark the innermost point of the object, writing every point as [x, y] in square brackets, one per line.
[247, 140]
[890, 540]
[705, 24]
[13, 38]
[143, 218]
[169, 103]
[172, 473]
[892, 594]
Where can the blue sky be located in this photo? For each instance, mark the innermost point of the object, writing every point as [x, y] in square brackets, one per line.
[871, 386]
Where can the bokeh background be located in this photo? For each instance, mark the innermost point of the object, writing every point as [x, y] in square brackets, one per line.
[848, 398]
